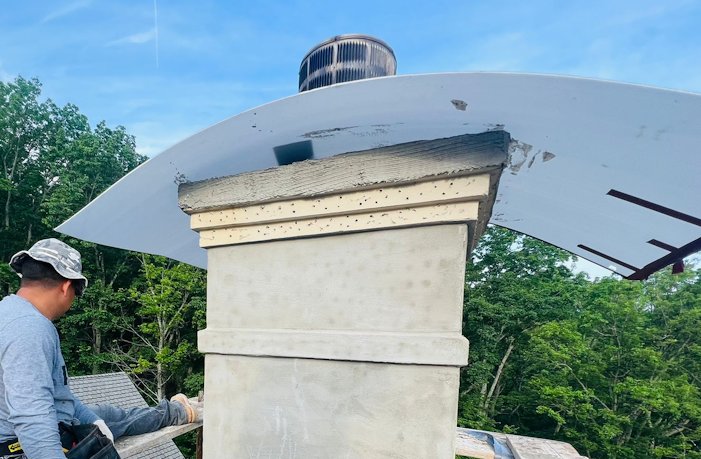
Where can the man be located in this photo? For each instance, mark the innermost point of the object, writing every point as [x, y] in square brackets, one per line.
[34, 394]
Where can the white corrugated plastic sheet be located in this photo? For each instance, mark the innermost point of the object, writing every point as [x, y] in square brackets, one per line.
[605, 170]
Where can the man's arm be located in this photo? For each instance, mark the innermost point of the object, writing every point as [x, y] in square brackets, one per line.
[82, 413]
[28, 354]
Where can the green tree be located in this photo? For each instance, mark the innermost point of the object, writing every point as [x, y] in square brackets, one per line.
[53, 164]
[616, 380]
[610, 366]
[514, 284]
[139, 313]
[160, 349]
[95, 321]
[82, 165]
[25, 127]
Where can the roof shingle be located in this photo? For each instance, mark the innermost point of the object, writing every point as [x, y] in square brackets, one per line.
[118, 390]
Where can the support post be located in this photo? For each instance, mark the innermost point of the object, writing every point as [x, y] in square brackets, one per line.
[334, 302]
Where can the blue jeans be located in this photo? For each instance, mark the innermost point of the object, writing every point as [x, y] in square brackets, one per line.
[136, 421]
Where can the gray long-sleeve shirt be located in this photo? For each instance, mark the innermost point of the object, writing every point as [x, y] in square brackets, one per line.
[34, 391]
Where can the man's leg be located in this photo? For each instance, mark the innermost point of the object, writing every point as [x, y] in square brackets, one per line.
[136, 421]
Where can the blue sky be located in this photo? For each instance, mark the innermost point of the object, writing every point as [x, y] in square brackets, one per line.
[167, 69]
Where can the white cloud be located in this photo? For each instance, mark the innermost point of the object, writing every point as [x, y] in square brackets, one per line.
[154, 137]
[65, 10]
[593, 270]
[135, 39]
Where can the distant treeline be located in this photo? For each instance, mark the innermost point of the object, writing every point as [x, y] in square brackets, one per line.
[611, 366]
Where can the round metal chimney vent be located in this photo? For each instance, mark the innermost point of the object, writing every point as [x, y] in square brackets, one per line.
[346, 58]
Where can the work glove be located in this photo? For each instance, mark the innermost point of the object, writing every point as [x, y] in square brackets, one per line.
[104, 429]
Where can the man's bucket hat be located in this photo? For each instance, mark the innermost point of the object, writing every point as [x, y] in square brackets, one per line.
[64, 259]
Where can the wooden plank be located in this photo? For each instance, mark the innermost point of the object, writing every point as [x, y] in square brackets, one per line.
[538, 448]
[469, 444]
[198, 444]
[129, 446]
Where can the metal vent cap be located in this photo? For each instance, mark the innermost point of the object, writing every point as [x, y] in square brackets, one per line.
[346, 58]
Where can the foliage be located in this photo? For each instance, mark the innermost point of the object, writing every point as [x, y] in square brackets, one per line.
[610, 366]
[52, 163]
[513, 285]
[615, 380]
[161, 343]
[139, 313]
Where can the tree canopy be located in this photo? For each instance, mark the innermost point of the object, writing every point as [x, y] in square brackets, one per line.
[611, 366]
[139, 313]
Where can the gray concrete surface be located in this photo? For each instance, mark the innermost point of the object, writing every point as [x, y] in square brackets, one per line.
[407, 279]
[303, 408]
[325, 297]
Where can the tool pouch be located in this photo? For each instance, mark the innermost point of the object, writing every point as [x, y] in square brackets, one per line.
[85, 441]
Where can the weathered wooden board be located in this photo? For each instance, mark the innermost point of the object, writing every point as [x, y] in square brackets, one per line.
[468, 446]
[131, 446]
[471, 443]
[538, 448]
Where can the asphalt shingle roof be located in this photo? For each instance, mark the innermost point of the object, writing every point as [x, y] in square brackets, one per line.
[118, 390]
